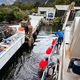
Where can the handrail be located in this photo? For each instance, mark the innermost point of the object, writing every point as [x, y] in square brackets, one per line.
[44, 74]
[71, 7]
[63, 46]
[64, 25]
[60, 77]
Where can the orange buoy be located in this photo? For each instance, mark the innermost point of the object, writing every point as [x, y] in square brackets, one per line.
[2, 48]
[29, 26]
[43, 62]
[20, 29]
[54, 41]
[49, 50]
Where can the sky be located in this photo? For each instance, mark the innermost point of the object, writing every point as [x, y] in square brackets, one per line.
[7, 1]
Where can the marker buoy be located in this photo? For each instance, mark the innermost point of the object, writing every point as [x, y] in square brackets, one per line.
[30, 26]
[7, 42]
[53, 42]
[0, 51]
[2, 48]
[49, 50]
[43, 62]
[20, 29]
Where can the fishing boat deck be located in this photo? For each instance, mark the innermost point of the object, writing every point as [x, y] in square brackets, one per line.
[68, 75]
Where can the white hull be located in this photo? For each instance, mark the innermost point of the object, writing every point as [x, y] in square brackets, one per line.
[11, 49]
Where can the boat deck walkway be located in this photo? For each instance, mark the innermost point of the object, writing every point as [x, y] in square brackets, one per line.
[35, 21]
[68, 75]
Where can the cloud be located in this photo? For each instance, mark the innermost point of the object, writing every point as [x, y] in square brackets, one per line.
[7, 1]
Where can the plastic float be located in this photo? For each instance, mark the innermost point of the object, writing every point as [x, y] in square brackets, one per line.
[1, 51]
[2, 48]
[20, 29]
[53, 42]
[46, 64]
[30, 26]
[43, 62]
[7, 41]
[49, 50]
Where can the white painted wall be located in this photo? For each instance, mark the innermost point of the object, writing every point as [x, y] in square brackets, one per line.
[65, 7]
[47, 10]
[75, 46]
[15, 26]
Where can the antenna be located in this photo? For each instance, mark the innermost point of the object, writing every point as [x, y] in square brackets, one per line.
[46, 2]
